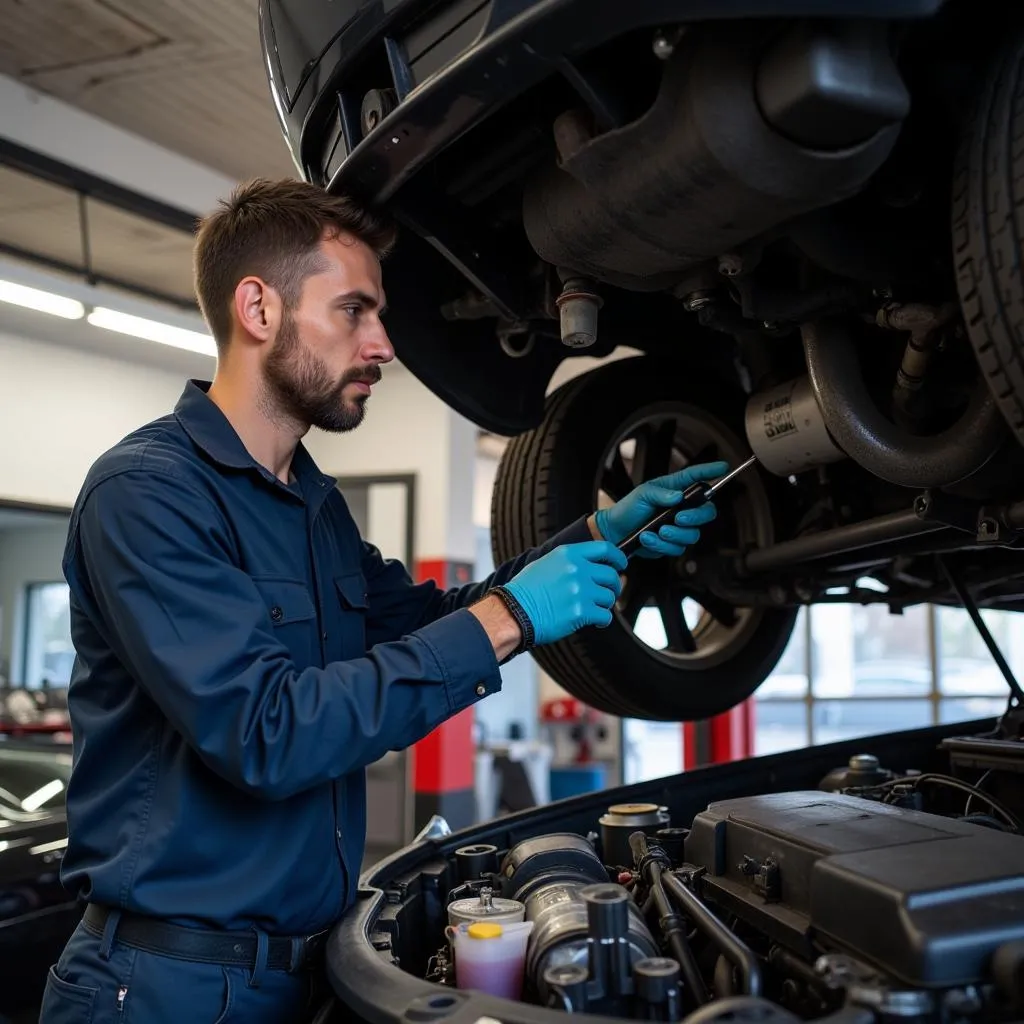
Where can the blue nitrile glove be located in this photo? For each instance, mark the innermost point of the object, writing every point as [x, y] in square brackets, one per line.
[569, 588]
[628, 514]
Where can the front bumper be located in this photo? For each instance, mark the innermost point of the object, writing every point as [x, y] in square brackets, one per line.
[453, 64]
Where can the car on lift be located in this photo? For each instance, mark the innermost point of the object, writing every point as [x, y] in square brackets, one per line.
[791, 227]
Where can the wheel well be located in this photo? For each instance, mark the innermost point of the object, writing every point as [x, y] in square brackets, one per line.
[461, 362]
[465, 365]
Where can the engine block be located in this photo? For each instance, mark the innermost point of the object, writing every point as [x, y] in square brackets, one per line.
[924, 898]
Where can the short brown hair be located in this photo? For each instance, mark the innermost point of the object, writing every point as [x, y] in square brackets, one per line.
[273, 230]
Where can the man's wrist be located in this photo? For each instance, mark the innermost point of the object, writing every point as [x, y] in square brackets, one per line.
[595, 531]
[499, 624]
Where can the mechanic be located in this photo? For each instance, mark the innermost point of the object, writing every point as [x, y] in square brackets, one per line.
[243, 655]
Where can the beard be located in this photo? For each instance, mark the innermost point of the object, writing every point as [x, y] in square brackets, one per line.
[299, 386]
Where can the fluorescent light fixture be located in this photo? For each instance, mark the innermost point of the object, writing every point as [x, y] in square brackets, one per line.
[42, 302]
[36, 800]
[152, 330]
[870, 583]
[51, 847]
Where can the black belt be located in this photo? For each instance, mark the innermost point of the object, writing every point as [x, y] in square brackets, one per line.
[202, 946]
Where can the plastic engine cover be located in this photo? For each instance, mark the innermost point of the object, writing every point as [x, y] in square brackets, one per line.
[925, 899]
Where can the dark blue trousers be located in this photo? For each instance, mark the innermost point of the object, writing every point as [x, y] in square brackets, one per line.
[101, 980]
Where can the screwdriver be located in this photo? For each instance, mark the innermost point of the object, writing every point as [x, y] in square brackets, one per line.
[694, 495]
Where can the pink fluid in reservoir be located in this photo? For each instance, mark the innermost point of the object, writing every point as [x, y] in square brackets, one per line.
[503, 978]
[490, 957]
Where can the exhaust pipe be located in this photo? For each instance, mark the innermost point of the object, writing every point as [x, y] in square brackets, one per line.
[880, 446]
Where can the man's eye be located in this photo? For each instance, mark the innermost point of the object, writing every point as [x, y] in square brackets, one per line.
[353, 310]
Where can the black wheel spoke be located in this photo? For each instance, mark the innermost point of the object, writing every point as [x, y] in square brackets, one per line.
[615, 481]
[633, 599]
[721, 611]
[670, 604]
[653, 450]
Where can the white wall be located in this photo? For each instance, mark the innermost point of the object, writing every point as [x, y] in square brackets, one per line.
[483, 487]
[60, 408]
[27, 555]
[408, 430]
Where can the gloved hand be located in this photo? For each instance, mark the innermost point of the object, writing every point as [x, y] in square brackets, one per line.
[628, 514]
[569, 588]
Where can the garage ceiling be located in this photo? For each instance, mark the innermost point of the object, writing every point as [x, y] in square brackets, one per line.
[185, 74]
[45, 219]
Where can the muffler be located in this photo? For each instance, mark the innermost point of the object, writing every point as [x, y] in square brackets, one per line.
[706, 168]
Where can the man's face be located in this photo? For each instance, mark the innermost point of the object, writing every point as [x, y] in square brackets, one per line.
[329, 349]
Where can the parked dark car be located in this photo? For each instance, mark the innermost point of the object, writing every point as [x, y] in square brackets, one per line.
[37, 914]
[801, 216]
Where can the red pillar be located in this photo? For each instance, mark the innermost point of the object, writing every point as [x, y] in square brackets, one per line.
[726, 737]
[443, 762]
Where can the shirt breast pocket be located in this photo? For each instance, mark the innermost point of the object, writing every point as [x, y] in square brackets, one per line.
[353, 604]
[293, 617]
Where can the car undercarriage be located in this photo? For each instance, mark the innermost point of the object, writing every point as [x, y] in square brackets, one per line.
[784, 228]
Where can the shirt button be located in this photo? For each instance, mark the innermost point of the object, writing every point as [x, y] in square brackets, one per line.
[276, 614]
[324, 636]
[481, 690]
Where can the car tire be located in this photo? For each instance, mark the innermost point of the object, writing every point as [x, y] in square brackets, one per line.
[988, 230]
[553, 475]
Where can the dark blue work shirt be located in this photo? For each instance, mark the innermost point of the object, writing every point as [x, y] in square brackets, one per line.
[242, 656]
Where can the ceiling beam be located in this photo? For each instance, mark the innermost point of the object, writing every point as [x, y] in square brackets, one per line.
[37, 122]
[75, 179]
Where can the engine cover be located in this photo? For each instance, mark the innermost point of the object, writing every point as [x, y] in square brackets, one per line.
[925, 899]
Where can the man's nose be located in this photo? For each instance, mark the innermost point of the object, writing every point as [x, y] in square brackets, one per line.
[377, 347]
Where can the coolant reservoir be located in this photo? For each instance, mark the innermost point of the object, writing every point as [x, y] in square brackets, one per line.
[490, 957]
[485, 908]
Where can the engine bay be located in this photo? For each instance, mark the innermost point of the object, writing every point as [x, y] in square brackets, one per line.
[876, 895]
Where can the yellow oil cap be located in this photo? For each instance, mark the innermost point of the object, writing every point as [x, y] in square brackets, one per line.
[484, 930]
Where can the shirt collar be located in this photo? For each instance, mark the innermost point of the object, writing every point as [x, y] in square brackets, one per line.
[210, 430]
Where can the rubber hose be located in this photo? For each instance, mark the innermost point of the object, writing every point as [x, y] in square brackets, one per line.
[732, 947]
[877, 444]
[670, 920]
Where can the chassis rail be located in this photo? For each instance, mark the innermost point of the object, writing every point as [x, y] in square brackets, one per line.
[931, 514]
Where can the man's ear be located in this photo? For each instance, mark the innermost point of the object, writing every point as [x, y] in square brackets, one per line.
[257, 309]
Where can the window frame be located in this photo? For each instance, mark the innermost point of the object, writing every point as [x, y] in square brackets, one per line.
[936, 697]
[26, 628]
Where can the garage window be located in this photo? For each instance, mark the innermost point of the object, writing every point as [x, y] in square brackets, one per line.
[48, 651]
[854, 671]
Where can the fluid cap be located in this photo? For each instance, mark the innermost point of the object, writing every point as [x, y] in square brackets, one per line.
[632, 809]
[484, 930]
[621, 821]
[863, 763]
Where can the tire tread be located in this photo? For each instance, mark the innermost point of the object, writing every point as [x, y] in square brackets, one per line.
[988, 233]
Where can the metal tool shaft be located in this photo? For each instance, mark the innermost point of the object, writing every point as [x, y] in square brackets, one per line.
[731, 475]
[694, 495]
